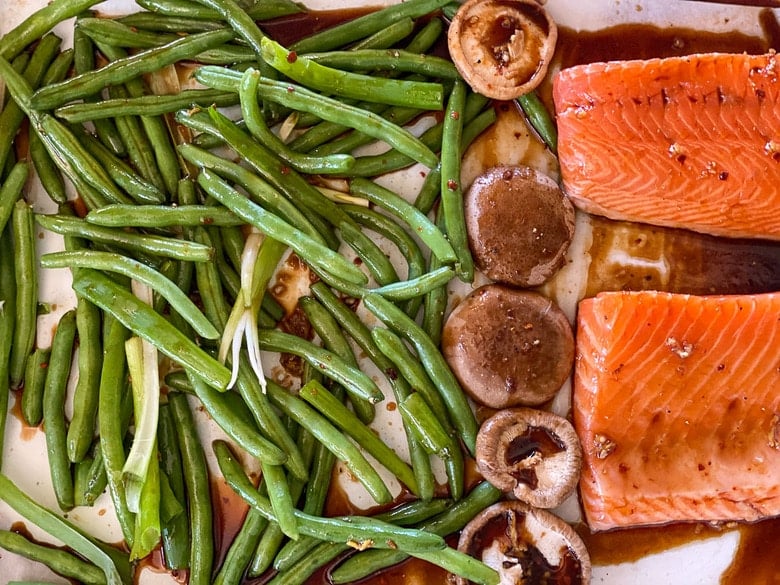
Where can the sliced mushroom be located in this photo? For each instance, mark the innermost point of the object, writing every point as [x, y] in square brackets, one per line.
[526, 545]
[502, 48]
[508, 347]
[531, 453]
[520, 225]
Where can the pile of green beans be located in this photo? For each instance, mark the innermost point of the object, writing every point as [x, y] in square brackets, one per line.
[155, 185]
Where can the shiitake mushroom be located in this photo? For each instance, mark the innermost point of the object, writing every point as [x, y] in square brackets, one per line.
[508, 347]
[519, 224]
[526, 545]
[502, 48]
[534, 454]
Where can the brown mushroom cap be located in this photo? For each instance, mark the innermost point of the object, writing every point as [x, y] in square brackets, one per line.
[520, 225]
[508, 347]
[502, 48]
[534, 454]
[526, 545]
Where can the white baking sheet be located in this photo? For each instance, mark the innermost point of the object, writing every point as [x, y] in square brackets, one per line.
[698, 563]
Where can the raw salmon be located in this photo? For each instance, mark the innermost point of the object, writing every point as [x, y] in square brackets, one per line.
[691, 142]
[677, 406]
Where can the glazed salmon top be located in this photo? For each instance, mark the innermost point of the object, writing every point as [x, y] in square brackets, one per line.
[690, 142]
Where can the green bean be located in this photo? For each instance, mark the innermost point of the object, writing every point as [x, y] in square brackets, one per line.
[363, 26]
[112, 32]
[260, 191]
[141, 190]
[38, 24]
[293, 557]
[366, 563]
[333, 439]
[151, 244]
[354, 381]
[46, 170]
[34, 379]
[144, 322]
[175, 528]
[435, 302]
[233, 241]
[409, 366]
[12, 115]
[26, 269]
[316, 136]
[270, 542]
[300, 98]
[239, 555]
[158, 22]
[426, 426]
[115, 568]
[196, 478]
[346, 84]
[411, 369]
[279, 230]
[380, 223]
[54, 409]
[86, 392]
[259, 11]
[59, 561]
[362, 336]
[386, 37]
[318, 396]
[155, 127]
[286, 180]
[281, 499]
[377, 262]
[268, 420]
[319, 554]
[255, 123]
[146, 105]
[241, 22]
[136, 142]
[7, 320]
[416, 287]
[11, 191]
[235, 420]
[95, 478]
[353, 530]
[48, 173]
[122, 70]
[84, 61]
[476, 127]
[436, 366]
[424, 228]
[393, 60]
[334, 340]
[162, 216]
[111, 262]
[451, 189]
[539, 118]
[77, 164]
[113, 387]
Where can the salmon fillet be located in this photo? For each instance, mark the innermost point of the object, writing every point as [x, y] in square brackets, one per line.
[677, 405]
[691, 142]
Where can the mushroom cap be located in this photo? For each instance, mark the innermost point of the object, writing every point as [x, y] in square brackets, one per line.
[531, 453]
[508, 347]
[502, 48]
[520, 225]
[524, 543]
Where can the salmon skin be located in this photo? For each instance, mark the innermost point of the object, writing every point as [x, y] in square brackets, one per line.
[677, 405]
[690, 142]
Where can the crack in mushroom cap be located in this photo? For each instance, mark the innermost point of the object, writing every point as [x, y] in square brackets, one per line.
[534, 454]
[525, 545]
[502, 48]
